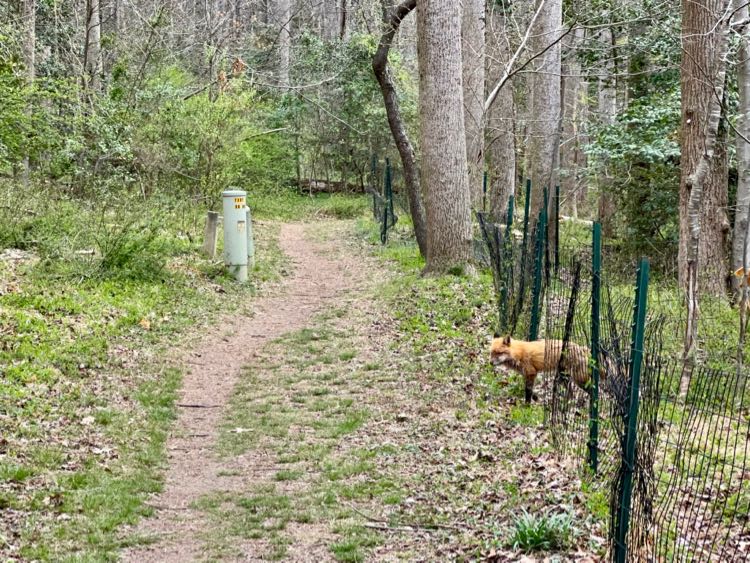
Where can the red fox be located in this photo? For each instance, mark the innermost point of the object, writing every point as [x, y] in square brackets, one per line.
[529, 359]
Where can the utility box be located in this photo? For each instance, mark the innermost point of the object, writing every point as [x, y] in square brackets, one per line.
[250, 241]
[236, 234]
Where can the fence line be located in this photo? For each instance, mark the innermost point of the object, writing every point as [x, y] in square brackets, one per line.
[675, 468]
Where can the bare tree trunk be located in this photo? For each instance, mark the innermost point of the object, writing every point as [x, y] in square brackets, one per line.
[342, 20]
[545, 103]
[572, 156]
[93, 46]
[500, 119]
[442, 136]
[607, 113]
[473, 58]
[282, 19]
[392, 19]
[740, 257]
[28, 17]
[705, 40]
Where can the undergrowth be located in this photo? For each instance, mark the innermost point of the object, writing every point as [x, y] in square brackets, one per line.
[92, 296]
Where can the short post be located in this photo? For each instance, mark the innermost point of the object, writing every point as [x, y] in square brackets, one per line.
[631, 426]
[538, 266]
[596, 290]
[211, 235]
[235, 233]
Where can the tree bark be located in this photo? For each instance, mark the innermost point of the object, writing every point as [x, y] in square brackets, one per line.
[740, 255]
[546, 101]
[607, 109]
[392, 20]
[572, 155]
[500, 119]
[93, 45]
[473, 60]
[28, 18]
[703, 184]
[442, 136]
[282, 19]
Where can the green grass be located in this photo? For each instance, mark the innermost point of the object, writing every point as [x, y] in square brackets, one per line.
[87, 401]
[288, 205]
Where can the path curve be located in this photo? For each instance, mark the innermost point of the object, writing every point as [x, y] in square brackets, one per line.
[320, 275]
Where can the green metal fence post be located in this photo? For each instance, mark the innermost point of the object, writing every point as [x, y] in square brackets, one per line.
[388, 204]
[509, 219]
[507, 267]
[526, 204]
[596, 290]
[557, 228]
[538, 273]
[374, 183]
[484, 192]
[631, 426]
[545, 211]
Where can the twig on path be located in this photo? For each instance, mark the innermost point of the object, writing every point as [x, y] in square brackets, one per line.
[384, 525]
[197, 406]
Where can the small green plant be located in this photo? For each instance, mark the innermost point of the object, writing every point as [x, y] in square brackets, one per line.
[533, 532]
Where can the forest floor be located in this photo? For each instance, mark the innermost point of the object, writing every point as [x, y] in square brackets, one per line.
[353, 415]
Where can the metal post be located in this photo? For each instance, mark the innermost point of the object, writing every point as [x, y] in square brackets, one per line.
[250, 241]
[557, 228]
[538, 265]
[545, 210]
[507, 266]
[509, 219]
[374, 183]
[484, 192]
[596, 290]
[636, 360]
[235, 233]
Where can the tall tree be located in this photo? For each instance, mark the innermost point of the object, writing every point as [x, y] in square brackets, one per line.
[703, 182]
[392, 19]
[545, 100]
[500, 119]
[28, 16]
[283, 20]
[575, 110]
[607, 113]
[740, 243]
[473, 60]
[442, 136]
[92, 55]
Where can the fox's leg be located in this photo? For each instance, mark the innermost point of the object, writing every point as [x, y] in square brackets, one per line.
[529, 377]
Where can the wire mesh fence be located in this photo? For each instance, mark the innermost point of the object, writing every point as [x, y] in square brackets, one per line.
[666, 444]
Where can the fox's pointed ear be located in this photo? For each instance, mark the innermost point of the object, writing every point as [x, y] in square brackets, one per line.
[496, 335]
[506, 340]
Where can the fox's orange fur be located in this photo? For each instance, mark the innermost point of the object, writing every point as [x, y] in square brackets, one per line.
[532, 358]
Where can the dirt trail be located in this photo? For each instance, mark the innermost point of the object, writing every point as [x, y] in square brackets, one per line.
[320, 274]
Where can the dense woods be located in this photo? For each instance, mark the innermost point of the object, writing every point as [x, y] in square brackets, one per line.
[144, 97]
[122, 121]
